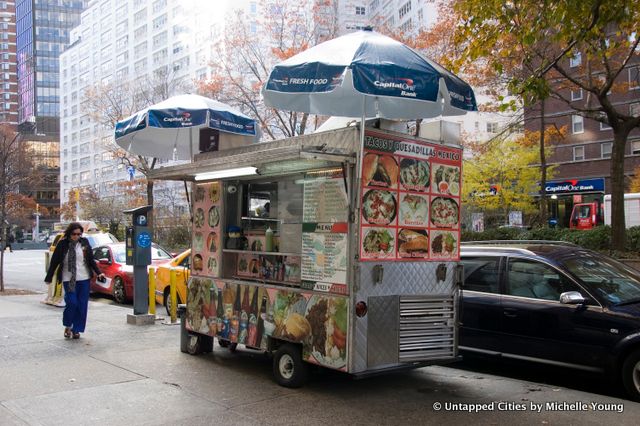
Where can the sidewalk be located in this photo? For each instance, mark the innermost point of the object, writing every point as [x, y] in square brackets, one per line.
[124, 374]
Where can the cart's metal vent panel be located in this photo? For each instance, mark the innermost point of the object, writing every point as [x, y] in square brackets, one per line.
[382, 339]
[426, 328]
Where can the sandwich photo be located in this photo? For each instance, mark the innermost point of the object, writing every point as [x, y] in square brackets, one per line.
[380, 170]
[413, 243]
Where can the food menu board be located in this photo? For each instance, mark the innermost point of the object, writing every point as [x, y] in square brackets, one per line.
[324, 232]
[410, 206]
[207, 237]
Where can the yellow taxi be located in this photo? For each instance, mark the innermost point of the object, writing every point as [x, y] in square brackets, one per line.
[180, 264]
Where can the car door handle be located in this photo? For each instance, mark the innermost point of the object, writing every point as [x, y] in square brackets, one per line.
[511, 313]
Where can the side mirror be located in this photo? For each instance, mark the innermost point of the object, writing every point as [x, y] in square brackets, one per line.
[572, 298]
[104, 262]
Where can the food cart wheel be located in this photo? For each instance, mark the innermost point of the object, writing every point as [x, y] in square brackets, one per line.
[232, 346]
[288, 368]
[197, 344]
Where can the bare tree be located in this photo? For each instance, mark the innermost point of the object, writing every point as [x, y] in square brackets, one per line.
[114, 101]
[247, 54]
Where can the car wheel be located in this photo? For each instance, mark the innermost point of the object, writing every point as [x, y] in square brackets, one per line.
[119, 294]
[167, 300]
[288, 368]
[631, 375]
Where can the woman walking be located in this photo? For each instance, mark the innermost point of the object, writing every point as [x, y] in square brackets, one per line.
[75, 265]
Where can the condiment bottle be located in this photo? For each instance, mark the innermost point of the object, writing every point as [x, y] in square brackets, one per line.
[268, 243]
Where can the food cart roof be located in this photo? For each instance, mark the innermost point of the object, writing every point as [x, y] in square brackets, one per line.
[283, 156]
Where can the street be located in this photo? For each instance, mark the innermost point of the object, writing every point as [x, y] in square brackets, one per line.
[119, 373]
[25, 270]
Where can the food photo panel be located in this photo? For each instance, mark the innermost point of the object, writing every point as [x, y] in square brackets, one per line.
[379, 207]
[445, 179]
[414, 210]
[414, 174]
[413, 243]
[378, 243]
[445, 245]
[444, 213]
[380, 170]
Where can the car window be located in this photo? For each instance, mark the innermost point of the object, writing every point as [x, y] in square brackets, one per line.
[100, 238]
[481, 274]
[101, 253]
[528, 278]
[119, 254]
[605, 277]
[185, 262]
[159, 254]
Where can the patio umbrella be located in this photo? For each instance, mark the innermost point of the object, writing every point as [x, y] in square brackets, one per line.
[366, 74]
[169, 129]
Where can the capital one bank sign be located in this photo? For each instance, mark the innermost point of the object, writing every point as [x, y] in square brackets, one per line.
[575, 186]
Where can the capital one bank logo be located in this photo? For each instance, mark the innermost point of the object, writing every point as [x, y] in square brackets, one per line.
[184, 119]
[406, 86]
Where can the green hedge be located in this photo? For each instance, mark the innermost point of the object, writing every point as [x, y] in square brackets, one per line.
[598, 238]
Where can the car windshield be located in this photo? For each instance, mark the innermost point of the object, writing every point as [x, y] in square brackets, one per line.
[157, 253]
[605, 277]
[100, 239]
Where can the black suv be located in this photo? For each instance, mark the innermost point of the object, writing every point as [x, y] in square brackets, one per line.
[554, 303]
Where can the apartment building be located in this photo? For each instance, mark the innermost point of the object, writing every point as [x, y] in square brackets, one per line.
[143, 42]
[8, 68]
[583, 158]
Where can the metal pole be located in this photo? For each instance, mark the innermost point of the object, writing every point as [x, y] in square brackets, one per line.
[152, 291]
[172, 295]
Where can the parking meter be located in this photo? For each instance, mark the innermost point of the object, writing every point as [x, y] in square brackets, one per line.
[138, 254]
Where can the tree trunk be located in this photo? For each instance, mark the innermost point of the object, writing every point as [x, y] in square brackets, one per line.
[543, 168]
[618, 226]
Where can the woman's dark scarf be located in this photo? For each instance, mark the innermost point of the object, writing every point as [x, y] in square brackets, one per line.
[72, 264]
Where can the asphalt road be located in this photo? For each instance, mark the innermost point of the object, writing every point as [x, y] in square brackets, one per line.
[24, 269]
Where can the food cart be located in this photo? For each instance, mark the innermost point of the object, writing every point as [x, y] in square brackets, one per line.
[299, 254]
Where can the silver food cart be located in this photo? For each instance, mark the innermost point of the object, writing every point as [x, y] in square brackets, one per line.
[298, 253]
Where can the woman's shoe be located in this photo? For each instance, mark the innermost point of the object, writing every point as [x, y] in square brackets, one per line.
[76, 335]
[67, 333]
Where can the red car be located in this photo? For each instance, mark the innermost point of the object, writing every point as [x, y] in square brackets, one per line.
[111, 260]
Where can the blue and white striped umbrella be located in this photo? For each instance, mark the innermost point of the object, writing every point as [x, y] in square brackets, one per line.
[366, 74]
[169, 129]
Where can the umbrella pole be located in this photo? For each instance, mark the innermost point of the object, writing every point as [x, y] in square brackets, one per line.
[186, 193]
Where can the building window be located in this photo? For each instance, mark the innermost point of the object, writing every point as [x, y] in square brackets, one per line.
[604, 126]
[406, 8]
[605, 149]
[576, 95]
[492, 127]
[578, 153]
[575, 60]
[160, 22]
[634, 78]
[577, 124]
[360, 10]
[634, 109]
[635, 147]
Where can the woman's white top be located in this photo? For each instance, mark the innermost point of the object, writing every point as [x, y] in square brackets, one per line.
[82, 272]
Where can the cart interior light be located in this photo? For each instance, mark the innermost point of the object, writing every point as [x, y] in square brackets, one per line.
[361, 309]
[221, 174]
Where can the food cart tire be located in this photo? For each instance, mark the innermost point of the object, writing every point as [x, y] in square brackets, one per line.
[198, 343]
[289, 369]
[232, 346]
